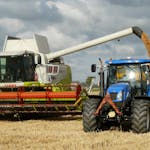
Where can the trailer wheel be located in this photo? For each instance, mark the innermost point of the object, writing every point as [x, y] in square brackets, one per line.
[140, 119]
[89, 119]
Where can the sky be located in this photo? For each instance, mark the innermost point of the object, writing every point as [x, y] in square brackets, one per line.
[67, 23]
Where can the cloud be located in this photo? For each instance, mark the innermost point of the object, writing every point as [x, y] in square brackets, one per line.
[130, 3]
[58, 40]
[36, 13]
[11, 25]
[69, 11]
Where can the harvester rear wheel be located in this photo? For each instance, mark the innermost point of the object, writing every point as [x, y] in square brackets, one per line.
[89, 119]
[140, 120]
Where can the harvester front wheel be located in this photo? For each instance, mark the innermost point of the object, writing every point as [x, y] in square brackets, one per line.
[89, 119]
[140, 120]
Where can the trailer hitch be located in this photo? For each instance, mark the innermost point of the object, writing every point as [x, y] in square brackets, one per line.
[107, 99]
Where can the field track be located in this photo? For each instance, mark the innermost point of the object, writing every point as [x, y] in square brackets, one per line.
[65, 134]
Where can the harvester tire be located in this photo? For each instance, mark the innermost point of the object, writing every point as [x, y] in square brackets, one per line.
[89, 119]
[140, 119]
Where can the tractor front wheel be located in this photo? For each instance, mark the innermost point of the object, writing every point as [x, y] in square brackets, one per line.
[140, 119]
[89, 119]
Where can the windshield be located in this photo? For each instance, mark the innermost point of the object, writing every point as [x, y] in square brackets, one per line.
[16, 68]
[128, 73]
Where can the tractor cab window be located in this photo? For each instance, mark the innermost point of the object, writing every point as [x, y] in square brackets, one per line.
[145, 72]
[145, 77]
[125, 73]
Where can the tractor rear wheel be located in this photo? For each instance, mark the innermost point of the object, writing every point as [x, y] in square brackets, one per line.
[140, 119]
[89, 119]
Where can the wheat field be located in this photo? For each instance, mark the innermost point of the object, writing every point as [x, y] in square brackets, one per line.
[65, 134]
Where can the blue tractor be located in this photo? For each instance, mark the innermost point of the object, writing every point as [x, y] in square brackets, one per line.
[124, 99]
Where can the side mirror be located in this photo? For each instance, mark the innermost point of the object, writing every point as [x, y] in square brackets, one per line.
[37, 59]
[93, 68]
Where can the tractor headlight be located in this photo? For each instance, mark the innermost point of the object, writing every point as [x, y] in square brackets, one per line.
[119, 96]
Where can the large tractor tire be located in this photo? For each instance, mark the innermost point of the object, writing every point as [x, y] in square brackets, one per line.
[89, 119]
[140, 119]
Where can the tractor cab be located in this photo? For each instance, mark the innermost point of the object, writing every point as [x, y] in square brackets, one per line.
[128, 74]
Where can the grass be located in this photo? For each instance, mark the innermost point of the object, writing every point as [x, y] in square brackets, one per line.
[65, 135]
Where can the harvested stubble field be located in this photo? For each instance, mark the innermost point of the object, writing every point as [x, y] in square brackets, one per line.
[65, 134]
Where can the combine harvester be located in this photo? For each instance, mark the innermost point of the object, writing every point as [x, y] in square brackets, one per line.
[32, 80]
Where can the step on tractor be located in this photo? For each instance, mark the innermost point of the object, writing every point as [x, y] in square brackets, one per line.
[35, 80]
[124, 99]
